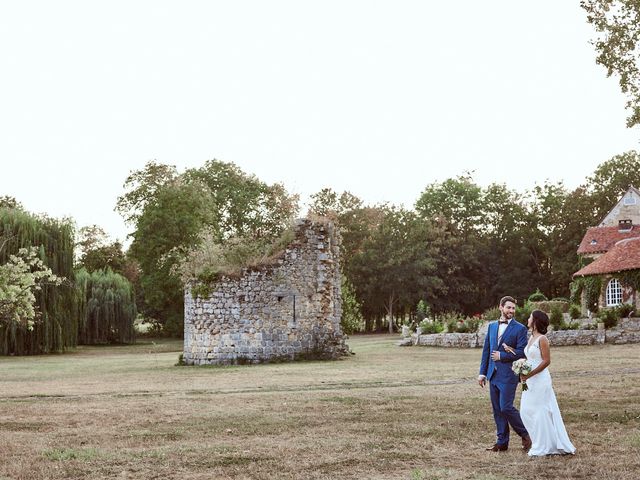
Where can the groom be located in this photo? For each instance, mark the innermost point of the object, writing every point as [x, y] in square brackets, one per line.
[496, 367]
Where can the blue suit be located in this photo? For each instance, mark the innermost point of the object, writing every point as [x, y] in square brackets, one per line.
[502, 381]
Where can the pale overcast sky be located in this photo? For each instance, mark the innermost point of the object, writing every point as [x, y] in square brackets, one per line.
[380, 98]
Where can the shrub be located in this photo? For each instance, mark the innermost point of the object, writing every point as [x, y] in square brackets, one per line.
[423, 310]
[575, 312]
[537, 296]
[523, 313]
[609, 316]
[431, 326]
[352, 319]
[456, 323]
[556, 319]
[560, 299]
[492, 314]
[547, 306]
[625, 310]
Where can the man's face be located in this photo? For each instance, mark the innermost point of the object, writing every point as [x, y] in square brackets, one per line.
[508, 310]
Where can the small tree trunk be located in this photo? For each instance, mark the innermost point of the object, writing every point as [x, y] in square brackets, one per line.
[390, 311]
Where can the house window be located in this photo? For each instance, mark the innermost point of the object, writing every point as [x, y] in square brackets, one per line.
[630, 200]
[614, 293]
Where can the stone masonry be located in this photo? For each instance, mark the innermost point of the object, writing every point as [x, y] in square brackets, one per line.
[287, 310]
[627, 331]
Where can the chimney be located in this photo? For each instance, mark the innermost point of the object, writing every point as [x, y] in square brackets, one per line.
[625, 225]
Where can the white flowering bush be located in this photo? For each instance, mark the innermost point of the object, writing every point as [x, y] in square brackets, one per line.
[20, 277]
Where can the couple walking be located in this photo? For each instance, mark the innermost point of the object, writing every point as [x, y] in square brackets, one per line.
[539, 422]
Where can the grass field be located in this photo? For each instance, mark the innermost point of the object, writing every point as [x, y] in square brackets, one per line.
[386, 412]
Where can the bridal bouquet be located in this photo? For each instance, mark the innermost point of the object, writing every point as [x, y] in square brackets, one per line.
[522, 367]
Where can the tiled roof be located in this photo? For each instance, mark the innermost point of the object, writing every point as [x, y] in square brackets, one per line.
[601, 239]
[625, 255]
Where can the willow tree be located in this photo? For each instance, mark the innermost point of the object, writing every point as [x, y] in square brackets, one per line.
[55, 327]
[106, 307]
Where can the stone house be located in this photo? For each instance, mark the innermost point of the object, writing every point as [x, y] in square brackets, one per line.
[614, 247]
[285, 310]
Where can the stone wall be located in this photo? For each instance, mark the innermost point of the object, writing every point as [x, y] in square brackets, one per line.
[287, 310]
[627, 331]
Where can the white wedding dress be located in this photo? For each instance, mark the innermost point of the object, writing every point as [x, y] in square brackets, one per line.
[540, 412]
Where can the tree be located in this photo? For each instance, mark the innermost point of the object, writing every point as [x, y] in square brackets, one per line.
[97, 253]
[456, 203]
[617, 23]
[107, 307]
[171, 210]
[10, 202]
[55, 328]
[20, 277]
[396, 265]
[611, 179]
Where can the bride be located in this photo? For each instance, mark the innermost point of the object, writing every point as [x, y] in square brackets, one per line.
[538, 406]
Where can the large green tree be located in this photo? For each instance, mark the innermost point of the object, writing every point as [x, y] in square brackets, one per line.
[610, 180]
[170, 211]
[617, 43]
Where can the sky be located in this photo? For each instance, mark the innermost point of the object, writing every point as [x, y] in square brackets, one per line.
[380, 98]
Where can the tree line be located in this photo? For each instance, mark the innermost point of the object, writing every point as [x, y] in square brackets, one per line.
[460, 248]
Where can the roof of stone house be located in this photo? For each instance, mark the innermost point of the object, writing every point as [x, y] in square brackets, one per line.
[624, 255]
[602, 239]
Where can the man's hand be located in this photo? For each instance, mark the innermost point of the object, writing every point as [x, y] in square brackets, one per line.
[495, 355]
[482, 380]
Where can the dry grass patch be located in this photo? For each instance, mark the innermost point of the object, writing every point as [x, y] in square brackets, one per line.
[387, 413]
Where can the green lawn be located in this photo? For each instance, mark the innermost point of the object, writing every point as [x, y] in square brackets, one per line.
[386, 412]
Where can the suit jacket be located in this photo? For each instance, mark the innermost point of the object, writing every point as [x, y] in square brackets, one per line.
[516, 337]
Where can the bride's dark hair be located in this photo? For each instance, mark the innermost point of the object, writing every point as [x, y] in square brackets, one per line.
[540, 321]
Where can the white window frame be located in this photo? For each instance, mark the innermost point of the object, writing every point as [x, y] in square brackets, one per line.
[614, 293]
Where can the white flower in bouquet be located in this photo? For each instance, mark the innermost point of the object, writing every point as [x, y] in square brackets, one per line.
[522, 367]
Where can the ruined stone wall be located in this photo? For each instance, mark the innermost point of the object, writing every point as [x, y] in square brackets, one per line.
[288, 310]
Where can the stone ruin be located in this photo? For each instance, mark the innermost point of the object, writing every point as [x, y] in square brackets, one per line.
[287, 310]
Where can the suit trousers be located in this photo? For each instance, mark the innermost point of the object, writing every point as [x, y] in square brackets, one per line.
[504, 413]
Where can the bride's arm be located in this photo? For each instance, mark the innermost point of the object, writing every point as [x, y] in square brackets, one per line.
[545, 352]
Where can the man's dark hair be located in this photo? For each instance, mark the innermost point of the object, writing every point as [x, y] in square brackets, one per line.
[506, 299]
[540, 321]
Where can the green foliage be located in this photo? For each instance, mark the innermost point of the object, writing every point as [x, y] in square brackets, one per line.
[591, 287]
[209, 260]
[618, 34]
[106, 306]
[352, 319]
[548, 305]
[55, 325]
[97, 253]
[20, 278]
[538, 296]
[523, 313]
[456, 323]
[172, 213]
[630, 278]
[625, 310]
[493, 313]
[609, 316]
[575, 311]
[431, 326]
[556, 318]
[423, 310]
